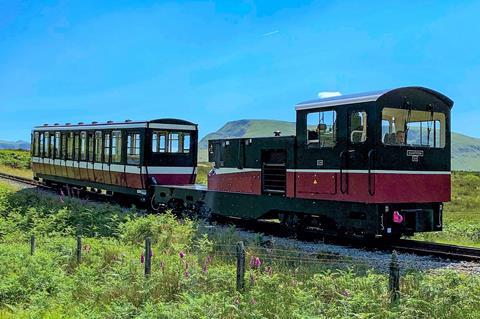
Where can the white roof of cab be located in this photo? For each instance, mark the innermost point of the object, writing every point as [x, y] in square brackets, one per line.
[340, 100]
[366, 97]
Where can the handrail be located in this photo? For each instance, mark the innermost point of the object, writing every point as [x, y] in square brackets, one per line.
[342, 190]
[371, 163]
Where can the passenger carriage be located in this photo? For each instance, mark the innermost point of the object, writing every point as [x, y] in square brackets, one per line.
[373, 164]
[116, 157]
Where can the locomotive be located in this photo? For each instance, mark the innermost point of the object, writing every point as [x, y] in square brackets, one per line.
[374, 164]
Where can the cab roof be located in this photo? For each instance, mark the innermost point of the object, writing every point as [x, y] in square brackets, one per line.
[366, 97]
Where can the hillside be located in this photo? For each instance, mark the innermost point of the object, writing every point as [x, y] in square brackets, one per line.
[18, 145]
[465, 149]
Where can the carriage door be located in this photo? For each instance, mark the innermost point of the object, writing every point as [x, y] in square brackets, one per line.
[355, 172]
[274, 172]
[133, 175]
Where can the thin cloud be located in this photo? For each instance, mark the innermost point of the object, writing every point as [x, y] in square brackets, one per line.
[326, 94]
[270, 33]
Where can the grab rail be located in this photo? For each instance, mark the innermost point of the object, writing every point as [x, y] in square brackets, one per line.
[371, 164]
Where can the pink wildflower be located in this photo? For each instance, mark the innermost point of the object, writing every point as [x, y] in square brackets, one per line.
[186, 274]
[182, 254]
[142, 259]
[258, 262]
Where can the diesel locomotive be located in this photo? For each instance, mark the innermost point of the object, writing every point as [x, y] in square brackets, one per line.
[370, 164]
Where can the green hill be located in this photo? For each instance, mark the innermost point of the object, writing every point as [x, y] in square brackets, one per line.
[18, 145]
[465, 149]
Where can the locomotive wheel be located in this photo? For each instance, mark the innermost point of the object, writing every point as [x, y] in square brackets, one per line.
[292, 222]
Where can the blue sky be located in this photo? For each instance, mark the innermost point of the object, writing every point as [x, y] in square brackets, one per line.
[212, 62]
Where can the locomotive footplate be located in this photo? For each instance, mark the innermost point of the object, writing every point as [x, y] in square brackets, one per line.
[409, 220]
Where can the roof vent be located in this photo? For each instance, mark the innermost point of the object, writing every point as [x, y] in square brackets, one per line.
[46, 124]
[109, 122]
[56, 124]
[68, 124]
[80, 123]
[128, 121]
[94, 122]
[277, 133]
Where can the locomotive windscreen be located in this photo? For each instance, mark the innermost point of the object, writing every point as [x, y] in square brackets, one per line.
[413, 128]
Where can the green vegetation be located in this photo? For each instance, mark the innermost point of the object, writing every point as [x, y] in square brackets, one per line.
[193, 271]
[461, 219]
[15, 162]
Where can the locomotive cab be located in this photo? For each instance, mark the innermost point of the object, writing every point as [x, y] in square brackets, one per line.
[389, 150]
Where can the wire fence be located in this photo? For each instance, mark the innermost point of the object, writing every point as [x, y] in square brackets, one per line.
[263, 258]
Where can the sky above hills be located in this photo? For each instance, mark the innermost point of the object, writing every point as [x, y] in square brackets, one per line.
[212, 62]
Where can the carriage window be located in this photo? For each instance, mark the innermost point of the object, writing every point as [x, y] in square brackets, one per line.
[98, 146]
[159, 142]
[133, 148]
[47, 144]
[70, 146]
[90, 146]
[106, 149]
[186, 142]
[116, 146]
[173, 141]
[56, 146]
[413, 128]
[321, 129]
[40, 146]
[64, 145]
[83, 146]
[52, 145]
[35, 143]
[358, 127]
[76, 142]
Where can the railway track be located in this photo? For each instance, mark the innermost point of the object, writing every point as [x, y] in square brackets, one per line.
[22, 180]
[444, 251]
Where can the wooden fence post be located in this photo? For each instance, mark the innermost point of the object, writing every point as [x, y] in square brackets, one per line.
[79, 249]
[32, 245]
[148, 256]
[394, 279]
[240, 266]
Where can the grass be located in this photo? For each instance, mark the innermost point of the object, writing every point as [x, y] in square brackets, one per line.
[193, 271]
[461, 219]
[16, 162]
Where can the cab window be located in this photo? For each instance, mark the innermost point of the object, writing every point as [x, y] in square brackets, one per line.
[358, 127]
[407, 127]
[322, 129]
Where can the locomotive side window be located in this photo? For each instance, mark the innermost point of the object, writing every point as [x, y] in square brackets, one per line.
[40, 148]
[413, 128]
[52, 145]
[321, 129]
[98, 146]
[133, 148]
[358, 127]
[116, 146]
